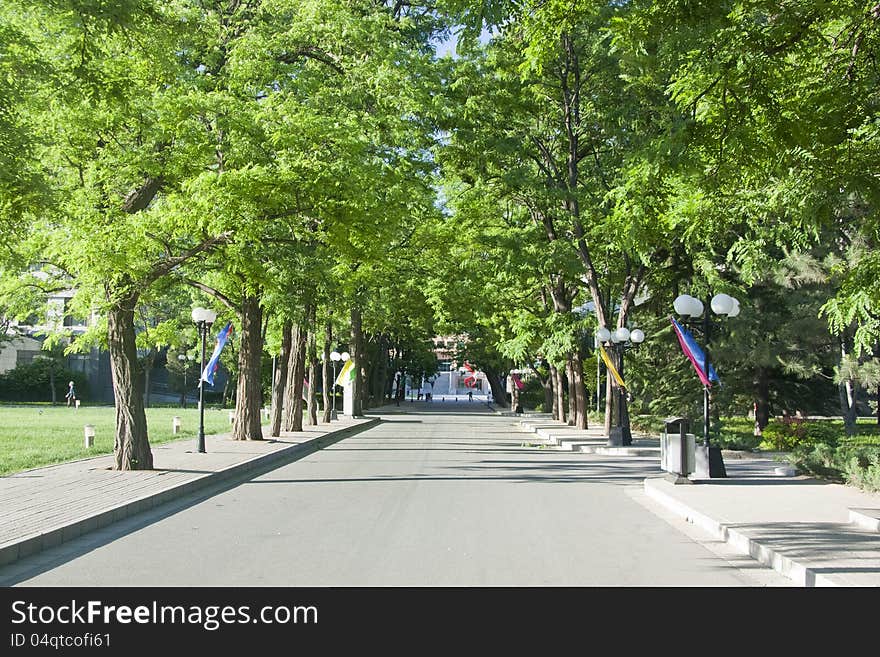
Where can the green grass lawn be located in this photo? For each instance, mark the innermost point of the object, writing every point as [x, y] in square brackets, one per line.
[35, 435]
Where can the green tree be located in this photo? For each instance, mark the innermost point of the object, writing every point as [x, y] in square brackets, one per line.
[112, 141]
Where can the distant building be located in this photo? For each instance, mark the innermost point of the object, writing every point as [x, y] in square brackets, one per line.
[455, 378]
[444, 349]
[27, 339]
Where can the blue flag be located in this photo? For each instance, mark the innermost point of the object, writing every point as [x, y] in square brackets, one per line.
[692, 350]
[214, 363]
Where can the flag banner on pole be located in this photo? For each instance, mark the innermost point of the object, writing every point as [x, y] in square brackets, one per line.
[346, 374]
[692, 350]
[214, 364]
[610, 365]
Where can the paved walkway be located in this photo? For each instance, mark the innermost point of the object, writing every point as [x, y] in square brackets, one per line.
[47, 506]
[439, 496]
[814, 532]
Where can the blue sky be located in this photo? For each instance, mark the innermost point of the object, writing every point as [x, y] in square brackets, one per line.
[448, 46]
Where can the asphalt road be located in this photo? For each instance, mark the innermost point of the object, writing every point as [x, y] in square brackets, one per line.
[450, 498]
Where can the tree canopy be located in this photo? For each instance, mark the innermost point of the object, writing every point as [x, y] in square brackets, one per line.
[318, 174]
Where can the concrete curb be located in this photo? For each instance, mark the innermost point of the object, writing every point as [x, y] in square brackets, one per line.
[795, 571]
[866, 519]
[509, 413]
[568, 439]
[621, 451]
[572, 444]
[20, 548]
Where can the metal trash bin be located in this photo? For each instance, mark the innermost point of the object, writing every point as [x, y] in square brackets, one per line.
[677, 447]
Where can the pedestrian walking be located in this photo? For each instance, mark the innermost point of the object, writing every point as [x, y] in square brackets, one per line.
[71, 395]
[470, 395]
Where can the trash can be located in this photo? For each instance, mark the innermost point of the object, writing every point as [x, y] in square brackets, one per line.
[677, 447]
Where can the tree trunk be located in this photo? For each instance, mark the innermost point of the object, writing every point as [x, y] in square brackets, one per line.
[579, 392]
[312, 353]
[514, 395]
[554, 392]
[496, 386]
[371, 373]
[325, 371]
[380, 379]
[847, 397]
[280, 378]
[559, 386]
[226, 391]
[762, 401]
[358, 356]
[295, 373]
[624, 419]
[131, 448]
[249, 393]
[848, 406]
[549, 397]
[148, 371]
[572, 395]
[609, 403]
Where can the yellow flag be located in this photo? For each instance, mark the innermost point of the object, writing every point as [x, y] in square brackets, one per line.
[346, 375]
[611, 367]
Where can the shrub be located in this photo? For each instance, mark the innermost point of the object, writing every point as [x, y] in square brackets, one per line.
[532, 395]
[735, 433]
[650, 424]
[790, 433]
[31, 382]
[820, 432]
[858, 466]
[820, 460]
[736, 440]
[864, 471]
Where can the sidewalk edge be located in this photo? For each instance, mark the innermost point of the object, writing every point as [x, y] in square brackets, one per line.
[800, 574]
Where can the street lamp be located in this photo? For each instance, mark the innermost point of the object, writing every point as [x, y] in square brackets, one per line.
[345, 357]
[335, 356]
[203, 319]
[691, 310]
[619, 341]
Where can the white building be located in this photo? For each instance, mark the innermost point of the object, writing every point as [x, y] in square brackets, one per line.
[27, 337]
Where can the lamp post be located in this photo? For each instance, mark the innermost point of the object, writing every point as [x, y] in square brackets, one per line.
[347, 406]
[596, 343]
[620, 341]
[203, 319]
[335, 356]
[695, 313]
